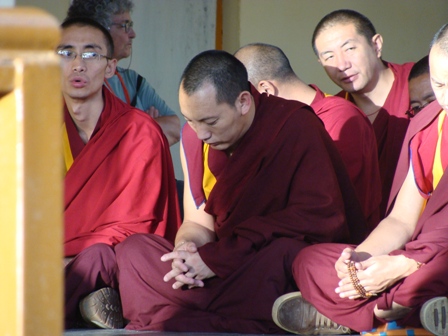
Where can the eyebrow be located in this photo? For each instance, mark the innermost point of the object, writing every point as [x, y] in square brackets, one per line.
[342, 46]
[87, 46]
[203, 119]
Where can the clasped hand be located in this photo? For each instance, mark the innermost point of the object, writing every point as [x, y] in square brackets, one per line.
[188, 268]
[375, 274]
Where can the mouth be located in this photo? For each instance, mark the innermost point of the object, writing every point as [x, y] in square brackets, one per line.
[78, 82]
[349, 79]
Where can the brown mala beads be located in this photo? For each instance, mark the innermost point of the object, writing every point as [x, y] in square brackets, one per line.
[355, 281]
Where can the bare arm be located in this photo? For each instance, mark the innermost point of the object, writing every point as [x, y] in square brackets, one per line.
[171, 128]
[170, 125]
[395, 230]
[376, 270]
[198, 226]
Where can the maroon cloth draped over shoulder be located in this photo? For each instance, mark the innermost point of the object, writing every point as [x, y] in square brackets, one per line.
[431, 233]
[390, 127]
[121, 182]
[285, 179]
[355, 140]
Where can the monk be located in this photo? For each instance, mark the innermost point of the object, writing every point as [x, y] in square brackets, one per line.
[420, 90]
[270, 71]
[403, 262]
[263, 180]
[120, 179]
[349, 48]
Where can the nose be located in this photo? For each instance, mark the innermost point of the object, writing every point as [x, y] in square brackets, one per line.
[342, 63]
[443, 98]
[78, 64]
[203, 134]
[132, 34]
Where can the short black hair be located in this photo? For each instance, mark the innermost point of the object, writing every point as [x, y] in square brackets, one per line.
[219, 68]
[419, 68]
[363, 25]
[83, 21]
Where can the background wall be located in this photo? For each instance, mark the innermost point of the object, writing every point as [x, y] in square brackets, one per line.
[171, 32]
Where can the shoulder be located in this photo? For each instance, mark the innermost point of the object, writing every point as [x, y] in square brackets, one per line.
[128, 74]
[400, 69]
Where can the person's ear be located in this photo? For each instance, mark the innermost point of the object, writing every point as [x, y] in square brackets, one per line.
[268, 87]
[110, 68]
[244, 102]
[377, 42]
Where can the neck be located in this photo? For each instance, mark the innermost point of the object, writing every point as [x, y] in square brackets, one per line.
[297, 90]
[85, 115]
[374, 95]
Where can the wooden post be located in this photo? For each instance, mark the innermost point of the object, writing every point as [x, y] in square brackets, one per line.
[31, 214]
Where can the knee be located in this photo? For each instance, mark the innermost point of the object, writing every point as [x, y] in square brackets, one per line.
[97, 254]
[147, 246]
[96, 259]
[129, 246]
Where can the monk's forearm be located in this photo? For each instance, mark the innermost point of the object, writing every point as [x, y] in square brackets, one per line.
[389, 235]
[171, 128]
[193, 232]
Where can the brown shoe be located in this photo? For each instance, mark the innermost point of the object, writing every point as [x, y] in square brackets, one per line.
[292, 313]
[102, 308]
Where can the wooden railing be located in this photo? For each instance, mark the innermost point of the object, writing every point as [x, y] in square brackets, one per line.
[31, 214]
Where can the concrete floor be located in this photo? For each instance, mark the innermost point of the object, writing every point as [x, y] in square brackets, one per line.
[122, 332]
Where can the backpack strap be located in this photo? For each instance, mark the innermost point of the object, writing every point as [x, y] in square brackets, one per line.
[139, 84]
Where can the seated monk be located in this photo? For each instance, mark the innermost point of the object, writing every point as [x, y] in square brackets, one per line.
[350, 50]
[402, 264]
[119, 179]
[263, 179]
[270, 71]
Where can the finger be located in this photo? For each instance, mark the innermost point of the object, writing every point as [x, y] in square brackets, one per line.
[197, 283]
[178, 254]
[181, 280]
[179, 265]
[150, 112]
[351, 294]
[172, 274]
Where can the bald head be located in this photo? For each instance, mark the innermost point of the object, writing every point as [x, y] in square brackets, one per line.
[438, 66]
[265, 62]
[441, 39]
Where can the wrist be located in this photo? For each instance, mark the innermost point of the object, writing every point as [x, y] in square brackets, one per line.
[179, 244]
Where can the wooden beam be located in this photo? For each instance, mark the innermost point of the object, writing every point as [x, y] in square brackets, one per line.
[31, 213]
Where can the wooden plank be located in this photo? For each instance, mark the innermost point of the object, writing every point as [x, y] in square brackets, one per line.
[31, 213]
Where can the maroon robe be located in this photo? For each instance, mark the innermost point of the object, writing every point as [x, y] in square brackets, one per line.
[121, 182]
[390, 127]
[355, 140]
[428, 245]
[278, 192]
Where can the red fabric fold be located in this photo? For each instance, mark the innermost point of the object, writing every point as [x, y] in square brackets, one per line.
[121, 182]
